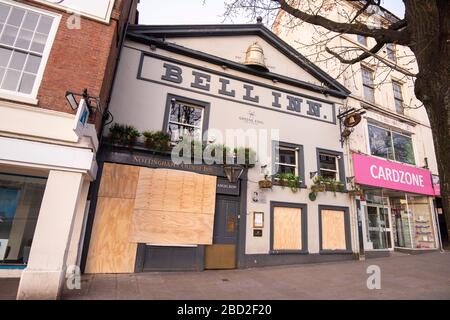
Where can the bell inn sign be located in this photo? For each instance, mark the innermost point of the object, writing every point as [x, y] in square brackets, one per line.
[183, 75]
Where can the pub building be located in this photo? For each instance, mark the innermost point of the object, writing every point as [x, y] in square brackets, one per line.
[152, 213]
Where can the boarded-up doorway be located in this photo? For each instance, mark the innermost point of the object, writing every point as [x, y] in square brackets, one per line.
[222, 254]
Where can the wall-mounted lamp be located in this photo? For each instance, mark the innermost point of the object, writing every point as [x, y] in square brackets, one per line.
[74, 103]
[312, 174]
[233, 172]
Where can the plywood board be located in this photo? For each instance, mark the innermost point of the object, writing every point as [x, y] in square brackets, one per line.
[287, 228]
[118, 181]
[333, 230]
[173, 207]
[220, 256]
[110, 250]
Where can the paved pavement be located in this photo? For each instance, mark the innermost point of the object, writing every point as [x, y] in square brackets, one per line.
[424, 276]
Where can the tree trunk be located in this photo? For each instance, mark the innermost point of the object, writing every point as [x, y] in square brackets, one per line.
[429, 24]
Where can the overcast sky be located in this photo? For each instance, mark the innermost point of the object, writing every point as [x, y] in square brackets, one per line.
[195, 12]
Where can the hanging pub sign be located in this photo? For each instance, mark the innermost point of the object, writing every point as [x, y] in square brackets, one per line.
[226, 187]
[175, 73]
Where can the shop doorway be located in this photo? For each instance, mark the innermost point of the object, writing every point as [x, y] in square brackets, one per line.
[222, 253]
[379, 226]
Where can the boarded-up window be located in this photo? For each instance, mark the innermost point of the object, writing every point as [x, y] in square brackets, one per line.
[333, 230]
[173, 207]
[287, 228]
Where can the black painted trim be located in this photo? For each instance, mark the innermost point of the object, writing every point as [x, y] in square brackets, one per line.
[348, 236]
[205, 105]
[341, 163]
[300, 156]
[304, 221]
[144, 34]
[222, 74]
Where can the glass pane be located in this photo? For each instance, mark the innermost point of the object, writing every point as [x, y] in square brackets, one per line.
[178, 131]
[24, 39]
[31, 20]
[38, 44]
[367, 76]
[4, 10]
[399, 106]
[45, 24]
[362, 40]
[397, 90]
[186, 114]
[401, 219]
[380, 142]
[286, 156]
[18, 60]
[369, 94]
[5, 54]
[327, 162]
[328, 174]
[16, 17]
[9, 35]
[27, 82]
[286, 169]
[403, 148]
[11, 80]
[33, 63]
[390, 51]
[2, 73]
[20, 202]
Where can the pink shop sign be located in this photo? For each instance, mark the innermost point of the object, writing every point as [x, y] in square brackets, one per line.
[376, 172]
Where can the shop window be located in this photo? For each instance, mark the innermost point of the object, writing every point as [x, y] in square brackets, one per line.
[334, 224]
[330, 164]
[20, 202]
[25, 39]
[362, 40]
[288, 227]
[185, 118]
[368, 85]
[398, 97]
[390, 144]
[390, 52]
[288, 159]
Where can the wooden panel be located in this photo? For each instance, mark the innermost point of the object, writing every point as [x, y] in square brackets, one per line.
[333, 230]
[173, 207]
[118, 181]
[287, 228]
[220, 256]
[110, 250]
[171, 227]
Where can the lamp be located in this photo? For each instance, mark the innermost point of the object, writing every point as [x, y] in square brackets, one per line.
[233, 172]
[312, 174]
[71, 98]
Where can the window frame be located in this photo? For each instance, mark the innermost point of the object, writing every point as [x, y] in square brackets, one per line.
[340, 166]
[188, 101]
[300, 161]
[32, 97]
[392, 143]
[400, 86]
[304, 219]
[391, 48]
[348, 235]
[371, 86]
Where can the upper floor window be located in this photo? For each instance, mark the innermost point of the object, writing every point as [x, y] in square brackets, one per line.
[185, 120]
[362, 40]
[287, 160]
[369, 87]
[25, 36]
[390, 144]
[329, 166]
[390, 52]
[398, 97]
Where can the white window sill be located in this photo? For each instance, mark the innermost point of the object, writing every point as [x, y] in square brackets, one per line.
[18, 98]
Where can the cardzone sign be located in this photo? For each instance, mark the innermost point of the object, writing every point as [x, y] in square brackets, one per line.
[81, 119]
[95, 9]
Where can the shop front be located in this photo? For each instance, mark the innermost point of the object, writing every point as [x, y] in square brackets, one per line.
[397, 210]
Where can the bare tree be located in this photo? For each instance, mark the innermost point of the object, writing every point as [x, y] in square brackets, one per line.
[425, 30]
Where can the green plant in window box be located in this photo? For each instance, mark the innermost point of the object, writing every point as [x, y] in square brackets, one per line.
[157, 140]
[322, 184]
[123, 134]
[266, 183]
[288, 180]
[356, 191]
[249, 156]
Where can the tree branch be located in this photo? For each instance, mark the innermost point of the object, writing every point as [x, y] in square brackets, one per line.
[380, 34]
[361, 57]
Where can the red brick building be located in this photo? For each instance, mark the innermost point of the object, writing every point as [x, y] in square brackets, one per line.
[46, 167]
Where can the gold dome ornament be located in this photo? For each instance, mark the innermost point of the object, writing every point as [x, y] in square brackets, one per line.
[254, 57]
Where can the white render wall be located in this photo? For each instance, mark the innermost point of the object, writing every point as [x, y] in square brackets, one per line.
[142, 104]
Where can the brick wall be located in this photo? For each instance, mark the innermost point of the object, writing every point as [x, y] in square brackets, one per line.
[82, 58]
